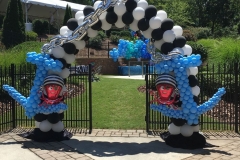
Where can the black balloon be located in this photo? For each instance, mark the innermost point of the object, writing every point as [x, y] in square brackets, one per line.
[143, 24]
[166, 47]
[110, 9]
[192, 81]
[76, 51]
[127, 18]
[111, 17]
[63, 62]
[131, 5]
[53, 118]
[68, 65]
[150, 12]
[157, 34]
[87, 10]
[51, 56]
[97, 25]
[178, 122]
[179, 41]
[72, 24]
[61, 116]
[40, 117]
[69, 48]
[196, 99]
[167, 24]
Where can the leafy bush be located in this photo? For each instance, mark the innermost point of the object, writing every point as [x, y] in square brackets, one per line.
[31, 36]
[95, 42]
[199, 49]
[125, 34]
[201, 32]
[40, 26]
[115, 33]
[114, 39]
[189, 35]
[102, 35]
[226, 32]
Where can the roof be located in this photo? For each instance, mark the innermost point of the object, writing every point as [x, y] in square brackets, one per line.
[55, 4]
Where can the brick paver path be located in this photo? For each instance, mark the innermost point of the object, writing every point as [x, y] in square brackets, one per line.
[60, 151]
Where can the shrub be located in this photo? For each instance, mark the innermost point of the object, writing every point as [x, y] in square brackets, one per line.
[102, 35]
[226, 32]
[201, 32]
[125, 34]
[95, 42]
[37, 26]
[114, 39]
[31, 36]
[199, 49]
[189, 35]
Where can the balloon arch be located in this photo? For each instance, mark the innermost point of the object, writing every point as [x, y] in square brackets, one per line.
[177, 85]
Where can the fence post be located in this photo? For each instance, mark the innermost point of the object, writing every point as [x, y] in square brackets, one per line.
[88, 49]
[236, 96]
[90, 96]
[13, 101]
[108, 49]
[147, 100]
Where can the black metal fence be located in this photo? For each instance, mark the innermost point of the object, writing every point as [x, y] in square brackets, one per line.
[79, 100]
[223, 117]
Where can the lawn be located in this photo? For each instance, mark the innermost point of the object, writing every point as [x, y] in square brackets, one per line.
[118, 104]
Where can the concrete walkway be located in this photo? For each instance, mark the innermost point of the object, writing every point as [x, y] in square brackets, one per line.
[115, 145]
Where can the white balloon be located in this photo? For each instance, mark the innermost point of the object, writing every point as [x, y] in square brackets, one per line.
[96, 4]
[58, 52]
[195, 91]
[179, 50]
[188, 71]
[103, 16]
[45, 126]
[162, 14]
[148, 33]
[63, 29]
[60, 111]
[168, 36]
[37, 124]
[178, 31]
[64, 73]
[50, 72]
[119, 9]
[79, 14]
[79, 44]
[134, 25]
[58, 127]
[155, 22]
[92, 33]
[80, 20]
[196, 128]
[173, 129]
[119, 23]
[187, 50]
[186, 130]
[70, 58]
[106, 25]
[138, 13]
[158, 44]
[143, 4]
[193, 70]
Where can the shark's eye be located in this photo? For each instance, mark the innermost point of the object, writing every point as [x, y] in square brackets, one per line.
[162, 88]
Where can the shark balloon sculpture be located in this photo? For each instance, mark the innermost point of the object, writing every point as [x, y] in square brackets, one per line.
[181, 84]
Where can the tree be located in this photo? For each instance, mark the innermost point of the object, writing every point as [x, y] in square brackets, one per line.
[68, 15]
[13, 26]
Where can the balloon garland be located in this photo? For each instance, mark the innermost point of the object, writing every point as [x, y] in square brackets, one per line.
[155, 25]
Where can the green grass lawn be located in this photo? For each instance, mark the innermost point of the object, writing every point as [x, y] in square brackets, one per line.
[118, 104]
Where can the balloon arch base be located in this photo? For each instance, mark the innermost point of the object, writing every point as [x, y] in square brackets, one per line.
[50, 136]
